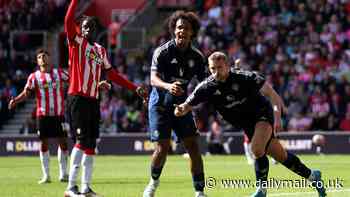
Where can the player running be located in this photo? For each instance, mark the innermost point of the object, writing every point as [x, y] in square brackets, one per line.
[241, 97]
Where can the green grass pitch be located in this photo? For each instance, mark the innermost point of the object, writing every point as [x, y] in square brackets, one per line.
[126, 176]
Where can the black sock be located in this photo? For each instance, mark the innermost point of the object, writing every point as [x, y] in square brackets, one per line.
[156, 172]
[294, 164]
[198, 181]
[261, 170]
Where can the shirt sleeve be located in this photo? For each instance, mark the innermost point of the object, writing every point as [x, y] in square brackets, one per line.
[107, 65]
[255, 81]
[156, 60]
[64, 75]
[69, 24]
[199, 95]
[30, 85]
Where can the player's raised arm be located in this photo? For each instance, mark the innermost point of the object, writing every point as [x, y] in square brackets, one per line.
[69, 24]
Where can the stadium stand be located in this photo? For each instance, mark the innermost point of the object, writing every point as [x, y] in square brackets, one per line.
[301, 46]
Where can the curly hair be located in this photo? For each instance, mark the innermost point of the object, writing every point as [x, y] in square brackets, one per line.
[41, 50]
[191, 17]
[88, 18]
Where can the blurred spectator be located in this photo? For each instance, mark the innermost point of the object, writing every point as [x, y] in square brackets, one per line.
[345, 122]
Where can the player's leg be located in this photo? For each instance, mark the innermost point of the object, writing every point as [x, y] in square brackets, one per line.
[78, 124]
[160, 132]
[261, 137]
[89, 144]
[247, 150]
[62, 157]
[62, 151]
[186, 130]
[45, 160]
[292, 162]
[43, 132]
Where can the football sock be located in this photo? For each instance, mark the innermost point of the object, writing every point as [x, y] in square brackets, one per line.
[247, 151]
[75, 160]
[86, 175]
[198, 181]
[294, 164]
[45, 162]
[62, 160]
[261, 170]
[156, 172]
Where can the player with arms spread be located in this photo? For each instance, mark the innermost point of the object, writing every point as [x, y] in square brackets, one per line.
[86, 61]
[241, 97]
[174, 64]
[47, 84]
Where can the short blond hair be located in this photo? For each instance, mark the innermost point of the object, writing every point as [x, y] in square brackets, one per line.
[217, 55]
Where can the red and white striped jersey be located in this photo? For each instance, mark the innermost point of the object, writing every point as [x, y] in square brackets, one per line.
[85, 64]
[48, 87]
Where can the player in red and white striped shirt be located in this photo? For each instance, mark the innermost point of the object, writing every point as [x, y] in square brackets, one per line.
[87, 59]
[47, 84]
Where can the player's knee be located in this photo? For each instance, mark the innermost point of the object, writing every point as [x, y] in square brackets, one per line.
[44, 146]
[258, 151]
[162, 149]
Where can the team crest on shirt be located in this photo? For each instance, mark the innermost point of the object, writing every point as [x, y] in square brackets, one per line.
[235, 87]
[230, 97]
[94, 57]
[174, 61]
[191, 63]
[181, 72]
[217, 92]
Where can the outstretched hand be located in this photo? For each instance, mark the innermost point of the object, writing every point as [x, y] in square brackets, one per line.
[182, 109]
[104, 85]
[12, 104]
[142, 92]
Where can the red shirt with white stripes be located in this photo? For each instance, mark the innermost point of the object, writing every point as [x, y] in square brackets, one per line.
[85, 64]
[48, 87]
[86, 60]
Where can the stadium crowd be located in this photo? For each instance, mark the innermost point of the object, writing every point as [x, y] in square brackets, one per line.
[302, 47]
[22, 15]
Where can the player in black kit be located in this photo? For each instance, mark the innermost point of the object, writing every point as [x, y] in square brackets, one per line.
[174, 64]
[245, 100]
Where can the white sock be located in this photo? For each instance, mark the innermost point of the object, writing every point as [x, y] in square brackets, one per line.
[75, 160]
[62, 161]
[248, 152]
[45, 163]
[87, 163]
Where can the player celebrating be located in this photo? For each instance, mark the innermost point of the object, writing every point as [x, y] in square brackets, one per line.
[173, 66]
[47, 83]
[241, 98]
[86, 61]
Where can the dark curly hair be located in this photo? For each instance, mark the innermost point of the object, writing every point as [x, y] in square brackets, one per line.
[191, 17]
[41, 50]
[88, 18]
